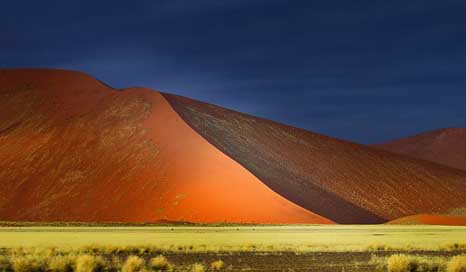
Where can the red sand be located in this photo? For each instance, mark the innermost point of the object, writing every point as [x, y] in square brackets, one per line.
[444, 146]
[340, 180]
[429, 219]
[72, 149]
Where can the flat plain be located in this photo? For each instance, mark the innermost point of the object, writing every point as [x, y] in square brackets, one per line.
[244, 248]
[294, 237]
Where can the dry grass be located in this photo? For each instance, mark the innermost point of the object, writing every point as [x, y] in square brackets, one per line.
[414, 263]
[62, 263]
[217, 265]
[133, 264]
[99, 259]
[29, 263]
[457, 264]
[164, 239]
[160, 263]
[90, 263]
[400, 263]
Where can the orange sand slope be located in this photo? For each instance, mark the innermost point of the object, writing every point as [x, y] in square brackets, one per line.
[343, 181]
[73, 149]
[429, 219]
[444, 146]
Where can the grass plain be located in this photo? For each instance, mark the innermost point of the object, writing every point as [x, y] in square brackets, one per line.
[290, 238]
[242, 248]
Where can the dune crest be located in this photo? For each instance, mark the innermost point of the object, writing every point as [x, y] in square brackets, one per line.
[340, 180]
[72, 149]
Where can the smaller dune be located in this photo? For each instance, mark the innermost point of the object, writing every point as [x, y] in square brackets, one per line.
[430, 219]
[445, 146]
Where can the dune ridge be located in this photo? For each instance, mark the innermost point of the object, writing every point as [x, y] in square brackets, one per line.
[72, 149]
[340, 180]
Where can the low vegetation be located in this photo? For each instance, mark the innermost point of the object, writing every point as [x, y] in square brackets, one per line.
[260, 248]
[133, 264]
[217, 265]
[417, 263]
[90, 263]
[28, 263]
[406, 263]
[62, 263]
[298, 238]
[160, 263]
[34, 260]
[457, 264]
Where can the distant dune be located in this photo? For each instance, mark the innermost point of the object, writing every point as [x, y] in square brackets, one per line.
[444, 146]
[429, 219]
[74, 149]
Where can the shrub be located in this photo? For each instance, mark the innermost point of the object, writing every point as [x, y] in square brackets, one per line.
[407, 263]
[457, 264]
[29, 263]
[61, 263]
[217, 265]
[89, 263]
[133, 264]
[160, 263]
[401, 263]
[197, 267]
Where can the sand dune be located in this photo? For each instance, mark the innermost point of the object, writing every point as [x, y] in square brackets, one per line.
[444, 146]
[74, 149]
[430, 219]
[340, 180]
[71, 149]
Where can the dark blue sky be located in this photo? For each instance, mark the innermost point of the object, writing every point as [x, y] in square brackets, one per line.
[366, 71]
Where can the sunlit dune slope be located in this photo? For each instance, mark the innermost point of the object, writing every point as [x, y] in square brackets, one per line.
[343, 181]
[444, 146]
[73, 149]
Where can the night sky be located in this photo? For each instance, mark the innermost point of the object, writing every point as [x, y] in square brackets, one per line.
[367, 71]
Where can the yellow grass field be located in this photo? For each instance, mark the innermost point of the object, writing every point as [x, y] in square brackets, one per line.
[281, 238]
[115, 248]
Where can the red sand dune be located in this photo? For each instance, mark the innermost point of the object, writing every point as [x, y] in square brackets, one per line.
[444, 146]
[71, 149]
[343, 181]
[429, 219]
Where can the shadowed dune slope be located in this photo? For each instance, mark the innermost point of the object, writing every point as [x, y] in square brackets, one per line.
[343, 181]
[73, 149]
[429, 219]
[444, 146]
